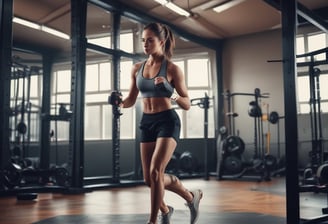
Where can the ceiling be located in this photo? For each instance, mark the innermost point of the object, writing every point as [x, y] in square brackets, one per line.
[246, 17]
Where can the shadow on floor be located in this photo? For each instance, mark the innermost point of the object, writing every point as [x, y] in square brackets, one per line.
[179, 217]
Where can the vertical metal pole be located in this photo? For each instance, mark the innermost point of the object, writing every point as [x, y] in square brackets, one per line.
[45, 113]
[79, 42]
[206, 149]
[219, 103]
[115, 109]
[6, 10]
[288, 11]
[313, 116]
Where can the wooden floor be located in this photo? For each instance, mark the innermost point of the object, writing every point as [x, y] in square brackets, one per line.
[267, 197]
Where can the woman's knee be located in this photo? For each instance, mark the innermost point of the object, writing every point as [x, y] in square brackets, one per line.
[156, 175]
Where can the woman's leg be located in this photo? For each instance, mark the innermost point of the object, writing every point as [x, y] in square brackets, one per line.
[172, 183]
[155, 158]
[146, 154]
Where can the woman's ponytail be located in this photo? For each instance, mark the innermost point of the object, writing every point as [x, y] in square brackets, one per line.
[169, 42]
[165, 34]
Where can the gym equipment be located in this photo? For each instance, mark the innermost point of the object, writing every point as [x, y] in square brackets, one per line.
[317, 153]
[232, 163]
[22, 175]
[11, 175]
[234, 145]
[280, 168]
[204, 103]
[232, 115]
[315, 176]
[27, 196]
[322, 174]
[15, 176]
[274, 117]
[115, 99]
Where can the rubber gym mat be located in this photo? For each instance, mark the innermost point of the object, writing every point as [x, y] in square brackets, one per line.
[178, 217]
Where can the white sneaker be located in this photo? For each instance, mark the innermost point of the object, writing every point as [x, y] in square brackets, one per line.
[165, 218]
[194, 205]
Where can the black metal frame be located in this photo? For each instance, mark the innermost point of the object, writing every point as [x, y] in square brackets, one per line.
[288, 13]
[116, 109]
[6, 13]
[45, 110]
[79, 43]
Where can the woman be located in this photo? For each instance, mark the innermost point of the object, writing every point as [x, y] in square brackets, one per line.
[156, 79]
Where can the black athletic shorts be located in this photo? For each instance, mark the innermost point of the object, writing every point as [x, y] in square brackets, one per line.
[162, 124]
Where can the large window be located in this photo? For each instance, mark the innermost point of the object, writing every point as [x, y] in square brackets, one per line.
[304, 44]
[100, 81]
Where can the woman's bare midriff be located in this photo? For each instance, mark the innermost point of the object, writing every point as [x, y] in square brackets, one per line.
[156, 104]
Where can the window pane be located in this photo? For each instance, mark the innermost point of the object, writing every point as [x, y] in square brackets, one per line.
[107, 122]
[63, 81]
[304, 108]
[101, 41]
[181, 64]
[92, 122]
[126, 67]
[61, 130]
[128, 120]
[317, 42]
[93, 98]
[126, 42]
[195, 129]
[182, 130]
[196, 113]
[324, 107]
[34, 86]
[63, 98]
[197, 72]
[303, 88]
[323, 85]
[34, 126]
[105, 76]
[91, 83]
[127, 123]
[300, 48]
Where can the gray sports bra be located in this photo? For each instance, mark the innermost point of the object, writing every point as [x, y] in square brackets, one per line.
[147, 87]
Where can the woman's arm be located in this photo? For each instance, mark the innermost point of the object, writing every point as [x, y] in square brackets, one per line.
[178, 80]
[131, 98]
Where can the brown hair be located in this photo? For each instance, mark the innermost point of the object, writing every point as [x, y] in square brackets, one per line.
[164, 33]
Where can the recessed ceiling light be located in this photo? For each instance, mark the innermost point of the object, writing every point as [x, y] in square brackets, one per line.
[173, 7]
[40, 27]
[227, 5]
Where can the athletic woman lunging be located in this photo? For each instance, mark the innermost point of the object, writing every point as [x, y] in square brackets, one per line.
[156, 78]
